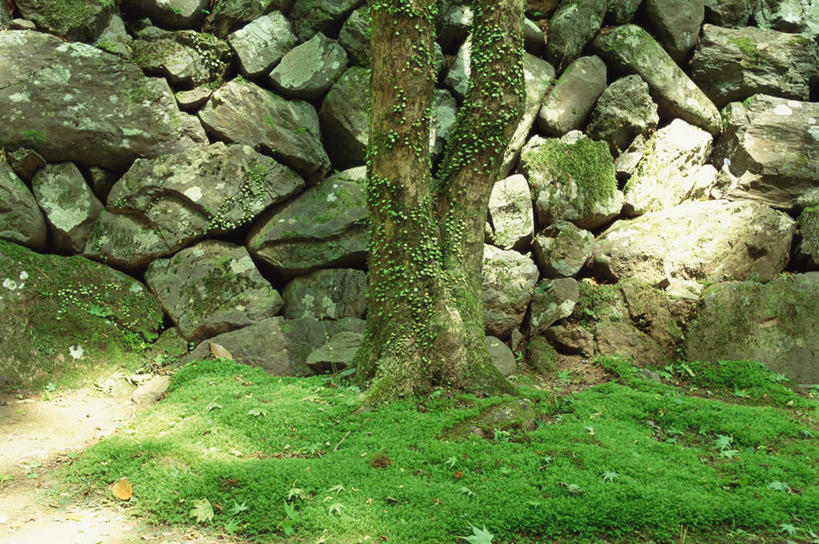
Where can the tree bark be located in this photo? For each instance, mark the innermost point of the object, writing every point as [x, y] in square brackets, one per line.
[425, 319]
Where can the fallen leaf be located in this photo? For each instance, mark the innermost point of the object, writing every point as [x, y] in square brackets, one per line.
[123, 490]
[219, 351]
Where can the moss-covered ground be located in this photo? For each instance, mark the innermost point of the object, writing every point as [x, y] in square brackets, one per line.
[719, 453]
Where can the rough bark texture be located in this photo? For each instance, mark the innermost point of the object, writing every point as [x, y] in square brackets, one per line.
[424, 324]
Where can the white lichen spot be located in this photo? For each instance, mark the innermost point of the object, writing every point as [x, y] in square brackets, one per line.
[782, 109]
[10, 284]
[19, 97]
[135, 288]
[813, 131]
[194, 193]
[23, 275]
[133, 132]
[242, 265]
[113, 99]
[794, 104]
[331, 197]
[75, 352]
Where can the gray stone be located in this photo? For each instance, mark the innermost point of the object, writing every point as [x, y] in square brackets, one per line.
[355, 37]
[631, 49]
[337, 354]
[510, 208]
[554, 300]
[151, 390]
[25, 162]
[123, 115]
[540, 355]
[626, 164]
[677, 24]
[769, 149]
[229, 15]
[114, 38]
[732, 64]
[572, 179]
[312, 16]
[561, 250]
[534, 39]
[327, 294]
[262, 43]
[193, 99]
[808, 249]
[669, 170]
[323, 227]
[211, 288]
[502, 356]
[22, 24]
[572, 339]
[310, 69]
[185, 57]
[775, 323]
[624, 111]
[508, 285]
[572, 98]
[161, 205]
[69, 205]
[243, 112]
[729, 12]
[176, 14]
[789, 15]
[344, 118]
[20, 218]
[454, 23]
[280, 346]
[538, 76]
[571, 28]
[444, 113]
[709, 241]
[457, 78]
[622, 11]
[76, 20]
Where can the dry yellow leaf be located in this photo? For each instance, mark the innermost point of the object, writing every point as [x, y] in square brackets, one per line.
[219, 352]
[122, 490]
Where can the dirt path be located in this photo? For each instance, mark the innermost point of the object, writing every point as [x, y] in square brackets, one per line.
[38, 435]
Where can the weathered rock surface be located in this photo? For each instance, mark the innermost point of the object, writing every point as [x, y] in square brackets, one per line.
[631, 49]
[444, 114]
[510, 208]
[457, 78]
[69, 205]
[245, 113]
[151, 390]
[311, 16]
[711, 241]
[176, 14]
[354, 37]
[162, 205]
[185, 57]
[122, 114]
[280, 346]
[775, 323]
[624, 110]
[76, 20]
[337, 354]
[571, 27]
[788, 15]
[211, 288]
[114, 38]
[622, 11]
[193, 99]
[561, 249]
[502, 356]
[327, 294]
[66, 311]
[572, 98]
[262, 43]
[20, 218]
[670, 168]
[729, 12]
[344, 118]
[5, 16]
[230, 15]
[508, 285]
[25, 162]
[553, 301]
[309, 70]
[677, 23]
[322, 227]
[454, 24]
[808, 249]
[572, 179]
[770, 148]
[732, 64]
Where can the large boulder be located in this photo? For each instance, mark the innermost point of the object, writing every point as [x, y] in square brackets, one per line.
[67, 314]
[185, 57]
[508, 286]
[161, 205]
[775, 323]
[69, 205]
[731, 64]
[324, 226]
[788, 15]
[808, 249]
[444, 115]
[229, 15]
[244, 113]
[561, 250]
[280, 346]
[624, 111]
[344, 118]
[211, 288]
[710, 241]
[571, 28]
[553, 301]
[677, 24]
[621, 12]
[77, 20]
[572, 98]
[457, 78]
[309, 70]
[729, 12]
[327, 294]
[262, 43]
[122, 114]
[337, 354]
[176, 14]
[631, 49]
[572, 179]
[670, 170]
[354, 36]
[769, 151]
[312, 16]
[21, 220]
[510, 209]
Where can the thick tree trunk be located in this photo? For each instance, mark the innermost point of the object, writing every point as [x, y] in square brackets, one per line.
[424, 321]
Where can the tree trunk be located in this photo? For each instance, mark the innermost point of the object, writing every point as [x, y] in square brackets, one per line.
[425, 319]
